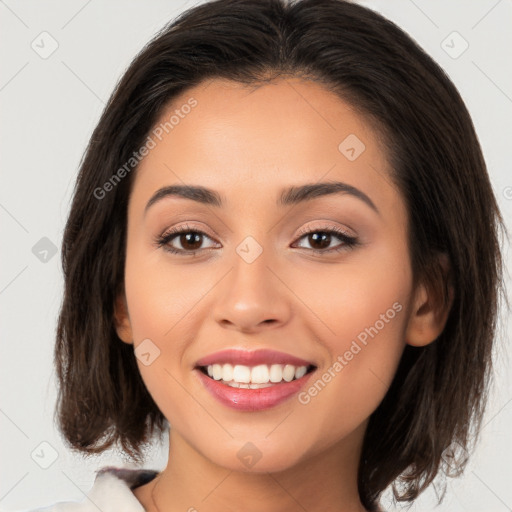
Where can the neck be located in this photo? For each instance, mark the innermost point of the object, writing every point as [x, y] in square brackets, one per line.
[326, 481]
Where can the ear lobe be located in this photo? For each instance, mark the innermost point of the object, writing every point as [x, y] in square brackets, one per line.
[431, 306]
[122, 320]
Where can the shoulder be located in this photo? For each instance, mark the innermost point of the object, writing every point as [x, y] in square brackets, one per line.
[111, 492]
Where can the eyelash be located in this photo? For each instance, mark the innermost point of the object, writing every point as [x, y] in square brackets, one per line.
[348, 242]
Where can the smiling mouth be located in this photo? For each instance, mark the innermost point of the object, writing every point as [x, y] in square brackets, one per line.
[255, 377]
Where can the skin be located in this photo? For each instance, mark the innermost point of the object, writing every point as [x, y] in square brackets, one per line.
[248, 145]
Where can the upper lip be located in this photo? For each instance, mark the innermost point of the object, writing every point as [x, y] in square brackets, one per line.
[251, 358]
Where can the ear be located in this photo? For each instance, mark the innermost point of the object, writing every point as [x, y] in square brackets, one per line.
[122, 319]
[432, 302]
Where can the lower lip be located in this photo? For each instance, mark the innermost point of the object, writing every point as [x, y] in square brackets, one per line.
[243, 399]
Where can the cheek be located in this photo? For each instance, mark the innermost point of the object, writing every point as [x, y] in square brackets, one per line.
[361, 311]
[346, 300]
[164, 303]
[161, 295]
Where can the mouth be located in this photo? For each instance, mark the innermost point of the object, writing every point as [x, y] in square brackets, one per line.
[255, 377]
[253, 380]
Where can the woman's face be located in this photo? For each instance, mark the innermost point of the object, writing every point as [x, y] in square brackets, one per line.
[338, 301]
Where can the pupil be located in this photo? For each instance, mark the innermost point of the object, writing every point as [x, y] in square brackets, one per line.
[323, 239]
[191, 239]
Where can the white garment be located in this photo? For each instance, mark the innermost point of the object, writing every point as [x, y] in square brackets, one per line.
[111, 492]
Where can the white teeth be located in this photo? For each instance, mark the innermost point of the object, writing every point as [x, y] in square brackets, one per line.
[227, 372]
[259, 386]
[300, 372]
[289, 372]
[276, 373]
[259, 374]
[242, 374]
[255, 377]
[234, 384]
[217, 371]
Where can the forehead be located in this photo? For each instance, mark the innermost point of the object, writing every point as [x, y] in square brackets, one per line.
[225, 135]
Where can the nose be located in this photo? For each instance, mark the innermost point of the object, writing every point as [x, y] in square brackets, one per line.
[252, 297]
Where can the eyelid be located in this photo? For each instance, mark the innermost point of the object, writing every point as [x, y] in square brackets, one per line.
[302, 231]
[347, 241]
[186, 227]
[324, 226]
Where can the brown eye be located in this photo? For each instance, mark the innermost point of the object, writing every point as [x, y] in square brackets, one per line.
[320, 240]
[183, 241]
[190, 241]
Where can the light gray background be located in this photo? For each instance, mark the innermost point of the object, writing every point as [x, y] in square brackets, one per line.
[49, 108]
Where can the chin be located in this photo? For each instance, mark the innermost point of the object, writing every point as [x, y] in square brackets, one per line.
[254, 457]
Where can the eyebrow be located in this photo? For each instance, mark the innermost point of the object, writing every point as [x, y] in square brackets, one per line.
[288, 196]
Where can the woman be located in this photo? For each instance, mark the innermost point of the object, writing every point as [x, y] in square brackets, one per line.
[283, 243]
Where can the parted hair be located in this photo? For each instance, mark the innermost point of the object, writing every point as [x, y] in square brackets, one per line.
[437, 398]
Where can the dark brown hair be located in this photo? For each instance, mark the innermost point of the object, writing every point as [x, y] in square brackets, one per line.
[438, 394]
